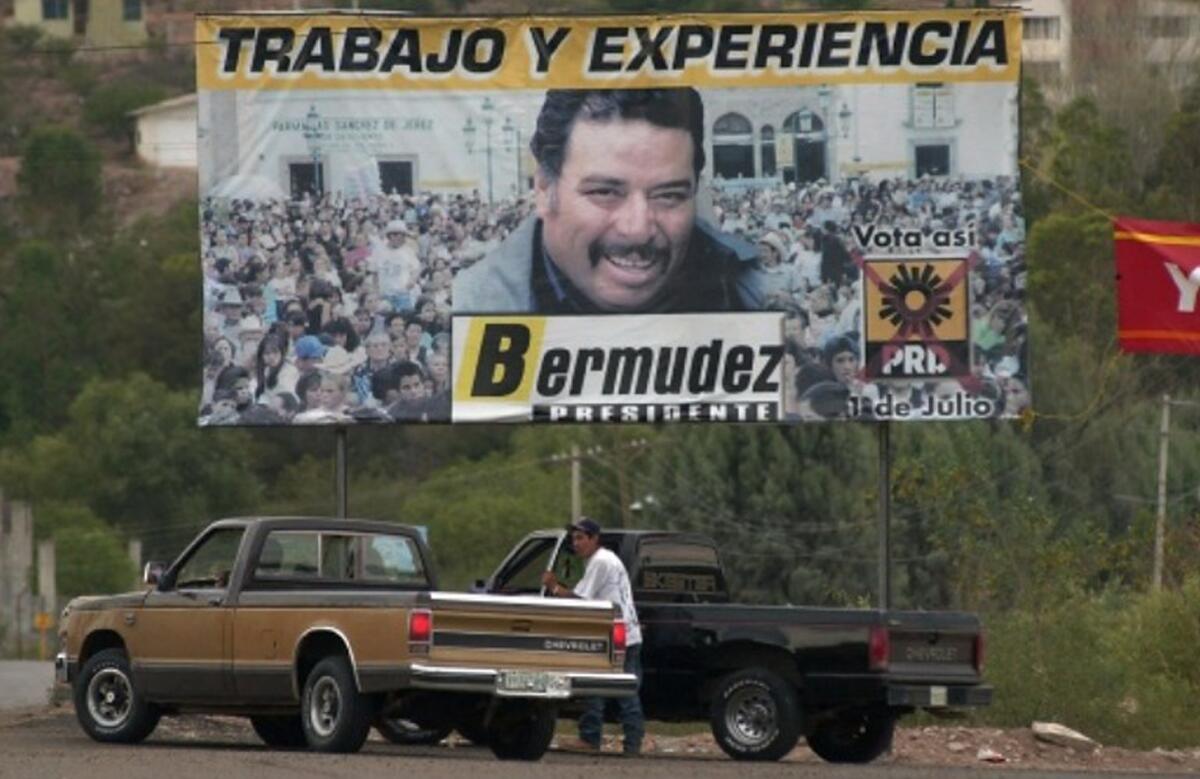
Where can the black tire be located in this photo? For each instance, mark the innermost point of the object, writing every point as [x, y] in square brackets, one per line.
[858, 736]
[281, 732]
[405, 732]
[335, 716]
[473, 730]
[754, 715]
[107, 702]
[521, 730]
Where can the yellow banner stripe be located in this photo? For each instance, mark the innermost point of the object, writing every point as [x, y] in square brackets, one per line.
[1164, 240]
[569, 67]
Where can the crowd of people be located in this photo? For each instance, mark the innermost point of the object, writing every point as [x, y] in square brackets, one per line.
[807, 242]
[337, 309]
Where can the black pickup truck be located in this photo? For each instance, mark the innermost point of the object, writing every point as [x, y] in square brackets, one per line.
[765, 675]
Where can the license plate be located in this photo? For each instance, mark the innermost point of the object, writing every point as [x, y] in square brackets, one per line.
[536, 684]
[937, 696]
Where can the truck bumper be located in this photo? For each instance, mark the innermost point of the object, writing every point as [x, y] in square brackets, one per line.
[487, 681]
[62, 668]
[840, 690]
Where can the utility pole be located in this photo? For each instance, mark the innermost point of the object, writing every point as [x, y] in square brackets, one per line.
[576, 486]
[1161, 519]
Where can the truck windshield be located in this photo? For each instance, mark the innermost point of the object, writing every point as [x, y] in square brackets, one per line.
[211, 564]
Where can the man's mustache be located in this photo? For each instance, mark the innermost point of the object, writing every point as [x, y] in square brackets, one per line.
[597, 250]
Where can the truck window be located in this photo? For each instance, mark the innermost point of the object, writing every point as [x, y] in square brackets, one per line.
[392, 559]
[288, 554]
[339, 557]
[524, 573]
[211, 564]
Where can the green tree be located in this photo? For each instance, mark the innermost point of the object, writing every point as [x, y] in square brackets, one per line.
[89, 555]
[59, 180]
[131, 452]
[107, 107]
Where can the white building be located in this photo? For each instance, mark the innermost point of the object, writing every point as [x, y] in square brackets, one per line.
[165, 133]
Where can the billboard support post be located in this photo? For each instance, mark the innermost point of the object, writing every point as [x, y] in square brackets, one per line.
[885, 516]
[340, 476]
[1160, 520]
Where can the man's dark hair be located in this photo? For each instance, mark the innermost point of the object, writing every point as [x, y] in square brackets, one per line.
[674, 108]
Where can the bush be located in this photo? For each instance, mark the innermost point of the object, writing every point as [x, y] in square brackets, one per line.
[59, 178]
[56, 54]
[108, 107]
[23, 38]
[1120, 669]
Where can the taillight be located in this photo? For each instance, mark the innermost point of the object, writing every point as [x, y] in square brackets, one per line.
[420, 631]
[879, 648]
[619, 636]
[980, 651]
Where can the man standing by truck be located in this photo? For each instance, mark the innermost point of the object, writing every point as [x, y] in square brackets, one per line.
[605, 578]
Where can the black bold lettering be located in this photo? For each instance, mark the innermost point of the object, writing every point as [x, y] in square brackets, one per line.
[890, 51]
[737, 369]
[650, 47]
[317, 49]
[991, 43]
[405, 51]
[585, 361]
[234, 37]
[695, 42]
[547, 46]
[501, 364]
[768, 48]
[630, 365]
[808, 45]
[450, 54]
[833, 42]
[961, 35]
[668, 374]
[360, 51]
[728, 46]
[552, 377]
[494, 40]
[916, 47]
[765, 382]
[265, 51]
[702, 378]
[607, 41]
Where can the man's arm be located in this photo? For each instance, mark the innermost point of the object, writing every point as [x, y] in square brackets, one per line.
[555, 588]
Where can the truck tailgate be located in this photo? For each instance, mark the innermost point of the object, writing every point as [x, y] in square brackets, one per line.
[925, 645]
[521, 632]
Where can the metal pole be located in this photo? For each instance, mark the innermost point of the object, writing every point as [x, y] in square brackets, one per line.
[340, 476]
[576, 487]
[885, 516]
[1161, 520]
[488, 123]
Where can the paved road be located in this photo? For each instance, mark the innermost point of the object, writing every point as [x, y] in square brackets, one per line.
[48, 742]
[25, 683]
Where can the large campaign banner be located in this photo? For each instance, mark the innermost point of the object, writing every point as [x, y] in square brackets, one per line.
[731, 217]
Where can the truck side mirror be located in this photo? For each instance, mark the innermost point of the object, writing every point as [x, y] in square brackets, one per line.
[152, 573]
[479, 586]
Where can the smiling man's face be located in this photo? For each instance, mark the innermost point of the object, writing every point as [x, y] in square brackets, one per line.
[618, 219]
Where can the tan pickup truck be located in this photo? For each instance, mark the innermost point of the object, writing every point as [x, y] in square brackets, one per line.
[317, 629]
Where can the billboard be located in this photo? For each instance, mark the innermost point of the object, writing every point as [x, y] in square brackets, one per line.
[735, 217]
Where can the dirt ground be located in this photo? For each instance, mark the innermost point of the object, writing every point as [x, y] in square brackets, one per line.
[947, 746]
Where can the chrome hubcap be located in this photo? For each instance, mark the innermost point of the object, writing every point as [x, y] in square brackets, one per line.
[110, 697]
[751, 717]
[324, 707]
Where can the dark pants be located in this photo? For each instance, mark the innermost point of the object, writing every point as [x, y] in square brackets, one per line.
[629, 710]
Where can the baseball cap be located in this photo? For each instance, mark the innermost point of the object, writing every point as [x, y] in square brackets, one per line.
[309, 347]
[585, 525]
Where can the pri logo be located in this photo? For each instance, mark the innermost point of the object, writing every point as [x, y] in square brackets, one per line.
[916, 318]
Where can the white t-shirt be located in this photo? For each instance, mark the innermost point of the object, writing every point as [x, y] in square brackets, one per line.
[605, 578]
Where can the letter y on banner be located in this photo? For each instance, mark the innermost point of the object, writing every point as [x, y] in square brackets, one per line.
[1158, 279]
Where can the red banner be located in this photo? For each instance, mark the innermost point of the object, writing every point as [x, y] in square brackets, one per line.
[1158, 278]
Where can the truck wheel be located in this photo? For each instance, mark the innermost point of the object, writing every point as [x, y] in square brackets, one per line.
[858, 736]
[108, 706]
[336, 717]
[754, 715]
[281, 732]
[408, 733]
[472, 730]
[520, 730]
